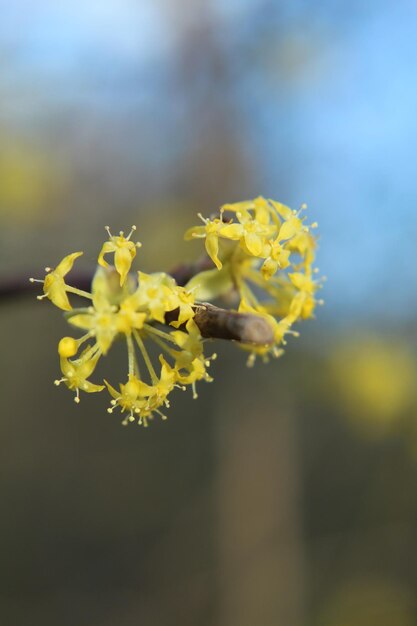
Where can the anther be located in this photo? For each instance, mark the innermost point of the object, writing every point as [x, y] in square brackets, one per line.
[131, 232]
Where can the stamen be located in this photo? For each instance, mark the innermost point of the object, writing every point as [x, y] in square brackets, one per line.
[48, 269]
[42, 297]
[108, 231]
[131, 233]
[77, 397]
[36, 280]
[203, 219]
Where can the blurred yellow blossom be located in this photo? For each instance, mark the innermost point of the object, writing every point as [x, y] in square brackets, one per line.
[375, 381]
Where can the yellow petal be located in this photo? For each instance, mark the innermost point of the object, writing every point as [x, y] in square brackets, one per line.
[262, 211]
[195, 231]
[122, 262]
[83, 320]
[254, 243]
[212, 247]
[91, 387]
[269, 268]
[232, 231]
[290, 228]
[112, 391]
[108, 246]
[66, 264]
[55, 290]
[281, 209]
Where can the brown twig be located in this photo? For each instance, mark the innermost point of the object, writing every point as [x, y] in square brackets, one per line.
[213, 322]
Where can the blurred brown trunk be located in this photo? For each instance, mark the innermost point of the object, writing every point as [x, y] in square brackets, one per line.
[260, 555]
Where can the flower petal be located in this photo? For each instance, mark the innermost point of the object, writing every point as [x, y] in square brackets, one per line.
[66, 264]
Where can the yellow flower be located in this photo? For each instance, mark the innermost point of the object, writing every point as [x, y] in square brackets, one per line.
[292, 223]
[141, 399]
[184, 303]
[155, 295]
[278, 258]
[100, 319]
[303, 282]
[54, 286]
[190, 362]
[259, 206]
[76, 373]
[210, 231]
[131, 398]
[157, 393]
[124, 252]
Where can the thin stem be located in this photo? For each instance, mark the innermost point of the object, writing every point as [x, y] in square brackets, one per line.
[130, 355]
[79, 292]
[159, 333]
[146, 358]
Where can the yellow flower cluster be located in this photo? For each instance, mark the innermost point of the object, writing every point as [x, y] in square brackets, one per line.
[134, 310]
[264, 252]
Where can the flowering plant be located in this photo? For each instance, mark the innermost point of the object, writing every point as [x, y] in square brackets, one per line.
[263, 255]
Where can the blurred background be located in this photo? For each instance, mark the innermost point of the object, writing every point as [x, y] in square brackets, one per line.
[286, 495]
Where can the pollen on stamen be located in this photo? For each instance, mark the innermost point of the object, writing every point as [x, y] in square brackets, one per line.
[132, 230]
